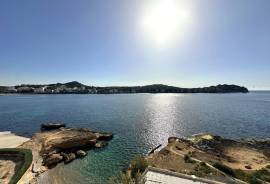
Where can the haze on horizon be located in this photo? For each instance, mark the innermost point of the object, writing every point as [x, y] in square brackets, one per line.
[185, 43]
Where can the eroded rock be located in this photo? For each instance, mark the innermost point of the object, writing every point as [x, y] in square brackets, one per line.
[67, 144]
[69, 139]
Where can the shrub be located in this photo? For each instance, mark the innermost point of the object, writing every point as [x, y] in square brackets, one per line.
[241, 175]
[251, 178]
[203, 164]
[224, 168]
[138, 165]
[187, 159]
[201, 170]
[262, 174]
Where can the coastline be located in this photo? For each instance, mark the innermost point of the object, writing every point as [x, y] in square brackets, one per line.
[51, 147]
[77, 112]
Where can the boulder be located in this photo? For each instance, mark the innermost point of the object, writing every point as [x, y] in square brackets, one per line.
[69, 139]
[52, 159]
[65, 155]
[101, 144]
[69, 157]
[104, 136]
[81, 153]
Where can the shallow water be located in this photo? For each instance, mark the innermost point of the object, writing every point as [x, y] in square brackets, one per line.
[139, 122]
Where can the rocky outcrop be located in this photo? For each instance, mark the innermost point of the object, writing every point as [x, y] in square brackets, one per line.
[67, 144]
[216, 158]
[65, 139]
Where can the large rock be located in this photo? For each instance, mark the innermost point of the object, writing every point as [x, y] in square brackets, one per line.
[69, 139]
[52, 159]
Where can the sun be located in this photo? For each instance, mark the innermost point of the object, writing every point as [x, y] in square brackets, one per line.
[163, 21]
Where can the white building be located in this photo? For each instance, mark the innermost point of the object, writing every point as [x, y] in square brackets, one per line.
[39, 90]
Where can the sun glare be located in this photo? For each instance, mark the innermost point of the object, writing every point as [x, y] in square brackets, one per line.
[163, 21]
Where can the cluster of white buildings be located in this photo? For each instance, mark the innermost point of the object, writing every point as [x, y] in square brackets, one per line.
[51, 90]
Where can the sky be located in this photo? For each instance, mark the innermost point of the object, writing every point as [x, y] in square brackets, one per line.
[185, 43]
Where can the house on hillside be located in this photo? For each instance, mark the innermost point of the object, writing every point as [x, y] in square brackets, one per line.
[39, 90]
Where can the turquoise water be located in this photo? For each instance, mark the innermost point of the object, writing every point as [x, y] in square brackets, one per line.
[139, 122]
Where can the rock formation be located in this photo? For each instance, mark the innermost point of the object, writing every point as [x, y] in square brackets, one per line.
[65, 144]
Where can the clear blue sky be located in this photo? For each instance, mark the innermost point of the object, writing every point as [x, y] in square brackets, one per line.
[100, 42]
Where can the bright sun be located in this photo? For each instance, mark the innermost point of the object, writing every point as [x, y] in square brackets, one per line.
[163, 21]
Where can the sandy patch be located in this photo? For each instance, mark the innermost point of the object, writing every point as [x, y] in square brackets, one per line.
[242, 157]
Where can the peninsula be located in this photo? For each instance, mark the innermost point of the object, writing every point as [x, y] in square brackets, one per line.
[205, 158]
[75, 87]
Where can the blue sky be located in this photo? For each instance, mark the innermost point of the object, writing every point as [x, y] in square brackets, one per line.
[100, 42]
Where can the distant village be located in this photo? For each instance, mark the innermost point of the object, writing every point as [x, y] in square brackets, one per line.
[78, 88]
[66, 88]
[49, 90]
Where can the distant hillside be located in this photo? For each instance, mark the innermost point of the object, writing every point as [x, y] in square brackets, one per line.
[76, 87]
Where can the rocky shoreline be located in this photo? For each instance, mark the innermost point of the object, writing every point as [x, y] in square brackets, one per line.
[60, 145]
[216, 158]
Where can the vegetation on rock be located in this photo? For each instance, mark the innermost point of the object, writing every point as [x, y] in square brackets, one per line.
[25, 155]
[138, 165]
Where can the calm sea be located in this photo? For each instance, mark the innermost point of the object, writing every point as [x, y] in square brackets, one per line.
[139, 122]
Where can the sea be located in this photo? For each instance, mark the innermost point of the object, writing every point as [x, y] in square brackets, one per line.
[139, 123]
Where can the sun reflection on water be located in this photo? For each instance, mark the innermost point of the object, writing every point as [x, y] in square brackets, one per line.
[161, 113]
